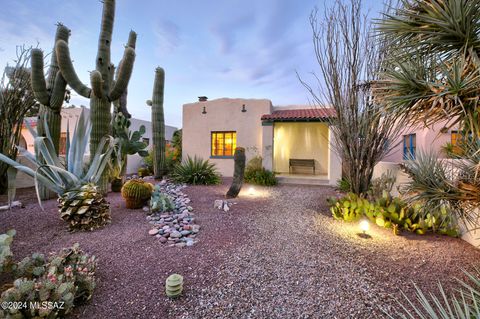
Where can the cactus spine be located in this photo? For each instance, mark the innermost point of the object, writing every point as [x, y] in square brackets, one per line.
[239, 170]
[104, 88]
[50, 94]
[158, 124]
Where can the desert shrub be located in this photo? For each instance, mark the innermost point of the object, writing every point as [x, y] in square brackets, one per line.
[160, 202]
[148, 161]
[173, 155]
[261, 177]
[255, 173]
[343, 185]
[382, 185]
[390, 212]
[144, 171]
[54, 284]
[196, 171]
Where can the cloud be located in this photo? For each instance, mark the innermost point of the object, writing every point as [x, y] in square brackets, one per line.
[167, 34]
[261, 41]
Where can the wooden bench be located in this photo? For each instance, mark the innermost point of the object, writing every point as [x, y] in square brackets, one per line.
[301, 163]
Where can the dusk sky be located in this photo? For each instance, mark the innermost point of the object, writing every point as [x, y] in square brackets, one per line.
[236, 48]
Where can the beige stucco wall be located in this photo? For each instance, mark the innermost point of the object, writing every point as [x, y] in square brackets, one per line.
[223, 115]
[300, 140]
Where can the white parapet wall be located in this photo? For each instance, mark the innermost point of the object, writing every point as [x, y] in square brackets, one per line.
[470, 233]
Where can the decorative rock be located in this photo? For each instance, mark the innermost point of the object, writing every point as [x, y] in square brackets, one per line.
[176, 227]
[226, 208]
[218, 204]
[176, 234]
[153, 231]
[146, 209]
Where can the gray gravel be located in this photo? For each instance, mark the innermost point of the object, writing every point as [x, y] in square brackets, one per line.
[297, 262]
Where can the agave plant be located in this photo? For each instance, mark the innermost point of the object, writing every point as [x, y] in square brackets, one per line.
[81, 203]
[464, 305]
[196, 171]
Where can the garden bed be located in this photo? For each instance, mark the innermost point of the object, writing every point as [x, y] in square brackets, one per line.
[276, 253]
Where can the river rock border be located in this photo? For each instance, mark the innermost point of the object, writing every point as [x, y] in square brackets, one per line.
[176, 228]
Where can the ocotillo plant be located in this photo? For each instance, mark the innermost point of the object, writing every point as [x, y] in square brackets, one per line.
[105, 88]
[158, 124]
[239, 170]
[50, 94]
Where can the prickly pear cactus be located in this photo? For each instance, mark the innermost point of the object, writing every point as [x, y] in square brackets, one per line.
[174, 286]
[158, 124]
[105, 88]
[6, 255]
[238, 173]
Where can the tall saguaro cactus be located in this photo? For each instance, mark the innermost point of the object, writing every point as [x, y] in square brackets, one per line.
[50, 93]
[158, 124]
[104, 88]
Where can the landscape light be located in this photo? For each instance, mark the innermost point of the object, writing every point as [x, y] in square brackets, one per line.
[251, 191]
[364, 226]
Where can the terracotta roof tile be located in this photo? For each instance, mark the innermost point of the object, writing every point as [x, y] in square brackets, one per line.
[300, 114]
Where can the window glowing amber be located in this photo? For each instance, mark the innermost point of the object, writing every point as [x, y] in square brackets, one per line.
[223, 143]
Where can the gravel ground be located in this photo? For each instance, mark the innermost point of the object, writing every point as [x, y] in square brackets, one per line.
[276, 254]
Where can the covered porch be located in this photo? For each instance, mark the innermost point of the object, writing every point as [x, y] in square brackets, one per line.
[297, 146]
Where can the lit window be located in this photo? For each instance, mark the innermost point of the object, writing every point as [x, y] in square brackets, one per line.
[223, 143]
[62, 145]
[409, 146]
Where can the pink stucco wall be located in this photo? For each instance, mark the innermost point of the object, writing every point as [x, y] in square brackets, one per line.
[426, 138]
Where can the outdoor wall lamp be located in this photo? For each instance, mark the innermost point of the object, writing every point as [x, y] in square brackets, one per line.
[204, 110]
[243, 108]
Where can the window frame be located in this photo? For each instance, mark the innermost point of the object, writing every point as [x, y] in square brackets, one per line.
[410, 149]
[62, 144]
[234, 144]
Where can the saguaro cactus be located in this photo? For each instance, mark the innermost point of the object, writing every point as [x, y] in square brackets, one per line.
[104, 88]
[50, 94]
[158, 124]
[239, 170]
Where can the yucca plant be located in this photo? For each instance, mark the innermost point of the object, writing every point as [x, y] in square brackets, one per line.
[465, 304]
[444, 188]
[435, 73]
[196, 171]
[81, 203]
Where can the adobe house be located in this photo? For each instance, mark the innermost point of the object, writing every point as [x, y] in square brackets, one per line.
[294, 141]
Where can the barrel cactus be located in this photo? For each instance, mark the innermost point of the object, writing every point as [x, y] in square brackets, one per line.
[105, 87]
[136, 193]
[158, 124]
[238, 173]
[174, 286]
[50, 93]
